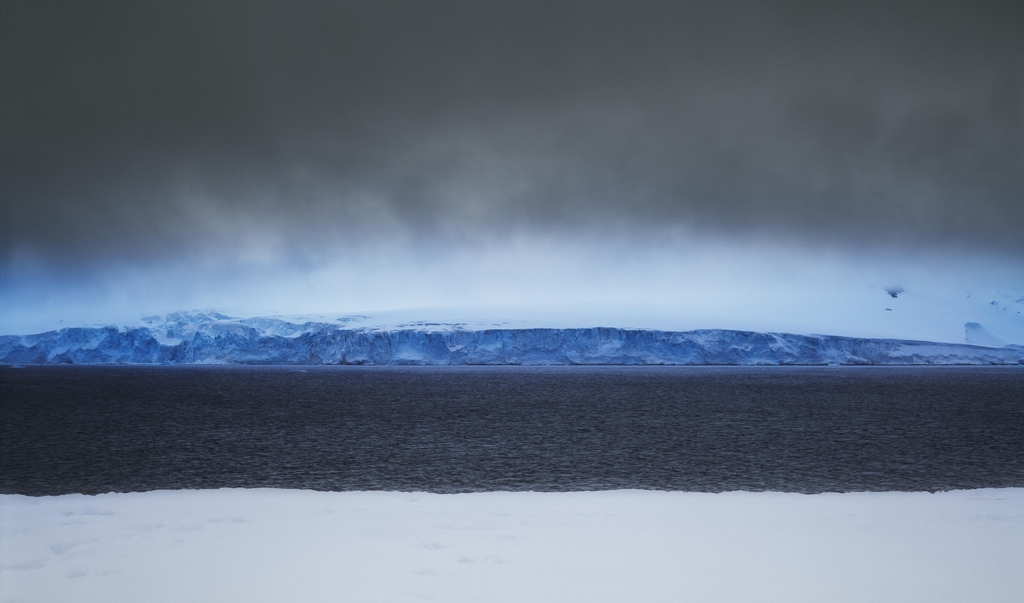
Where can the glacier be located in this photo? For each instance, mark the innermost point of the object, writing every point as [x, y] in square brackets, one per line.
[214, 338]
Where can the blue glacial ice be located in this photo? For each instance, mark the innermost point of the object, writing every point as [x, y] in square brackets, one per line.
[211, 338]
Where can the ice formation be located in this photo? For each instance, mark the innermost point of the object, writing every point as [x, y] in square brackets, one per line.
[212, 338]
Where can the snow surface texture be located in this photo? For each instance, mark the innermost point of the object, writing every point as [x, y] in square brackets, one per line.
[625, 545]
[212, 338]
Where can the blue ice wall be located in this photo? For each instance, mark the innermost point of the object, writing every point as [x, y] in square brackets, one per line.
[256, 342]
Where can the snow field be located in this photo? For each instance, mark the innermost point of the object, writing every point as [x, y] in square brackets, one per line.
[290, 545]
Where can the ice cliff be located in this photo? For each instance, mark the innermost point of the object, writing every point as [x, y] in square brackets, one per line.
[211, 338]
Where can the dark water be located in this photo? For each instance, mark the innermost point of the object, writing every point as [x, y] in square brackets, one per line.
[99, 429]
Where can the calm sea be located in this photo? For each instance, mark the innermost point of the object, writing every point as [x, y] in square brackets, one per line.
[94, 429]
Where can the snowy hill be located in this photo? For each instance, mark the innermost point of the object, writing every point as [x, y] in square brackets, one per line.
[213, 338]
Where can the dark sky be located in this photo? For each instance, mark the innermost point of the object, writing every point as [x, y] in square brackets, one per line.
[139, 129]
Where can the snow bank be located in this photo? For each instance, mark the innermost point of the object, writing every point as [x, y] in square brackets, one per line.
[284, 545]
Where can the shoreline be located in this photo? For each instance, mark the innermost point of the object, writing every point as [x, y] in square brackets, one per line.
[612, 545]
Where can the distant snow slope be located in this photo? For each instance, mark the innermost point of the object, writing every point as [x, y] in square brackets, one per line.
[214, 338]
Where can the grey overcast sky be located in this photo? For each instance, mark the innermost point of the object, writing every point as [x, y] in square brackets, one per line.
[888, 121]
[135, 133]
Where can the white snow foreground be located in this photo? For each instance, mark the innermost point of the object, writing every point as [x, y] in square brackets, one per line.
[289, 545]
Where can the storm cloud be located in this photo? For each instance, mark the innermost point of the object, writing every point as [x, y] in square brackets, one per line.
[143, 129]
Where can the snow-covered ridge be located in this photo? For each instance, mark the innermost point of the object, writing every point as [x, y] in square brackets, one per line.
[213, 338]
